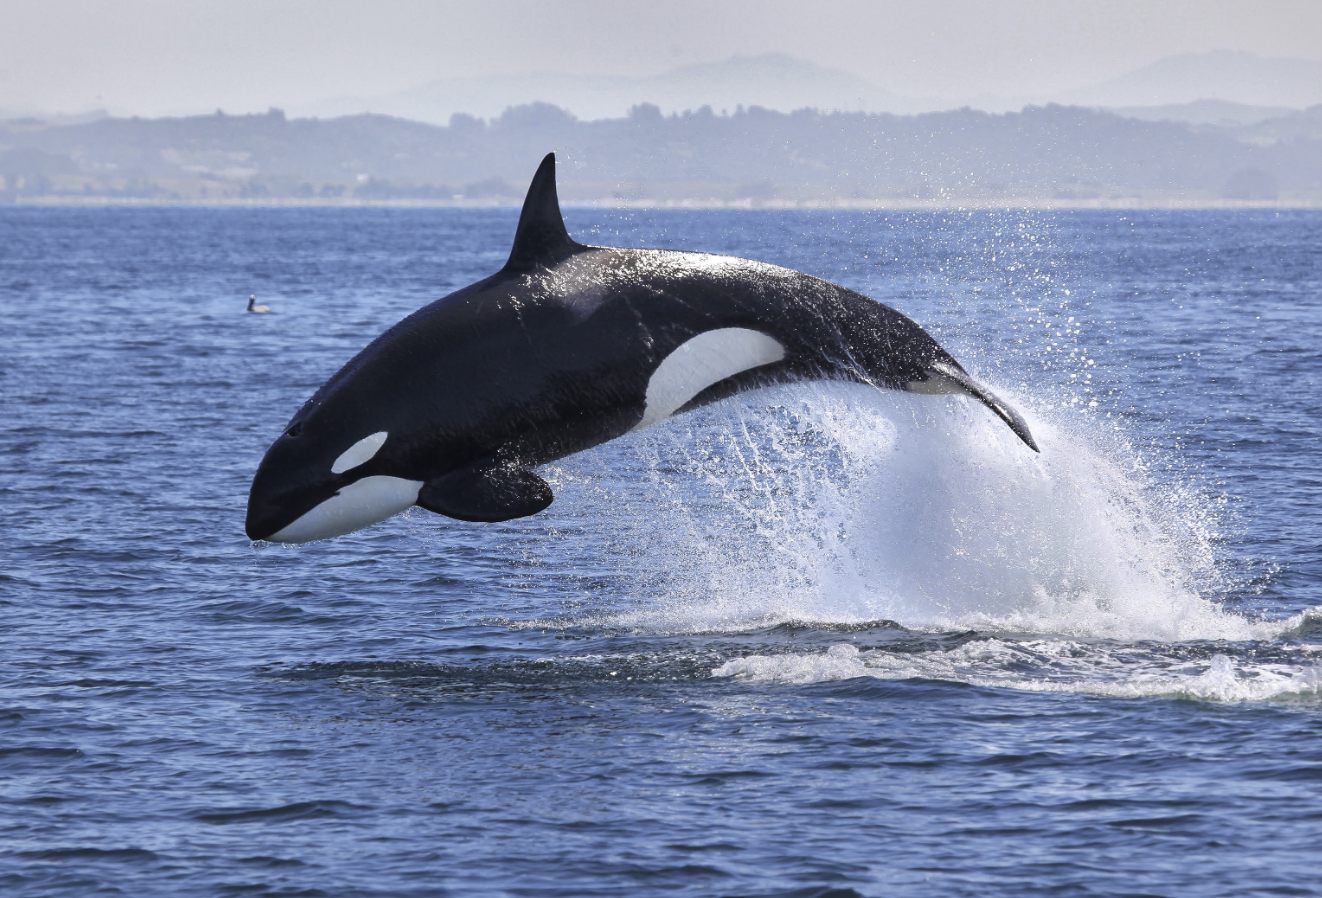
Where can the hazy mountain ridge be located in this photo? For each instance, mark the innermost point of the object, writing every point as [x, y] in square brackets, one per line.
[774, 81]
[1300, 126]
[785, 83]
[1232, 76]
[754, 154]
[1215, 87]
[1222, 113]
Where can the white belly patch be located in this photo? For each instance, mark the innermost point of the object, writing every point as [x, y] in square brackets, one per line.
[357, 505]
[702, 361]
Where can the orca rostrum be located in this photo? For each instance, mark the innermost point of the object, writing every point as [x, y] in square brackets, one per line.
[564, 348]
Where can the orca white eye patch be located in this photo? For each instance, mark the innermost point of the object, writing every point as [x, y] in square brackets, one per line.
[360, 453]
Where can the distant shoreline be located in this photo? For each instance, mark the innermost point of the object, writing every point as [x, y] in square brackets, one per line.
[1043, 157]
[897, 204]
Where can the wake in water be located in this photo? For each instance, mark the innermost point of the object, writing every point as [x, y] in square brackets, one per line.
[1231, 674]
[834, 504]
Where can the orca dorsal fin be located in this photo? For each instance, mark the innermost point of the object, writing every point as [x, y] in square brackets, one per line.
[541, 238]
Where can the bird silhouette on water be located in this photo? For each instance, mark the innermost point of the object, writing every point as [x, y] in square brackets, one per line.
[256, 308]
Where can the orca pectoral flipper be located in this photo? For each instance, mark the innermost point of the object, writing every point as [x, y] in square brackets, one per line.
[487, 492]
[950, 378]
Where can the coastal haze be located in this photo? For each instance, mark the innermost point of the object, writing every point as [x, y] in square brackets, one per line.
[859, 104]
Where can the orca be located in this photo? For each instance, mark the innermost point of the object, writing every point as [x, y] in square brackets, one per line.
[566, 347]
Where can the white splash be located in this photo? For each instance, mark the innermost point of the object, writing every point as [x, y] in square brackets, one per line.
[830, 504]
[846, 504]
[1056, 666]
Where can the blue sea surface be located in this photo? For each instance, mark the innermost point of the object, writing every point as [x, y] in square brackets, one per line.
[818, 640]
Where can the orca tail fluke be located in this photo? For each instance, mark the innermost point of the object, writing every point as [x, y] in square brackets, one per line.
[541, 238]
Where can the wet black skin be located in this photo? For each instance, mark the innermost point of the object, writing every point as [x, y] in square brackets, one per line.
[552, 355]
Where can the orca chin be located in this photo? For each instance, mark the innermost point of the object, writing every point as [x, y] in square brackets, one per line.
[566, 347]
[362, 503]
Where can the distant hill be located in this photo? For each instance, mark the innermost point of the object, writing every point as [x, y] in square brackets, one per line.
[1295, 128]
[752, 155]
[1233, 76]
[1205, 112]
[1218, 87]
[773, 81]
[1215, 88]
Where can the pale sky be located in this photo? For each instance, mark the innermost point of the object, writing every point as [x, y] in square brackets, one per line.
[154, 57]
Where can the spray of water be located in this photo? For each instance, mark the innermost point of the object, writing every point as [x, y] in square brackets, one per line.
[834, 503]
[830, 504]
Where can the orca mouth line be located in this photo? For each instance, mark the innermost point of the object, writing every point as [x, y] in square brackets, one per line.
[360, 504]
[262, 527]
[271, 510]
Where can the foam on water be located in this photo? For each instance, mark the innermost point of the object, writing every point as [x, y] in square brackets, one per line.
[834, 504]
[1047, 666]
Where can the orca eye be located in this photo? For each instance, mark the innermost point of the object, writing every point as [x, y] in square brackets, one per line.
[295, 429]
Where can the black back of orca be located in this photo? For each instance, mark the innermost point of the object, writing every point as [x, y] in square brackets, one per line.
[564, 348]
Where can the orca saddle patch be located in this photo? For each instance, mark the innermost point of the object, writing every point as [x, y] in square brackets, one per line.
[487, 492]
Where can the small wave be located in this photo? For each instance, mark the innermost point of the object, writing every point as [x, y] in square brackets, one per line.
[88, 853]
[1048, 666]
[839, 662]
[299, 811]
[1304, 625]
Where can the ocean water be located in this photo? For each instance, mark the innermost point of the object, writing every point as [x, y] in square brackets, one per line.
[818, 640]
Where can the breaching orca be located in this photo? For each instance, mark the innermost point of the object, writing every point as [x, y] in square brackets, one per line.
[566, 347]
